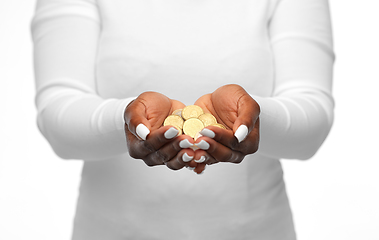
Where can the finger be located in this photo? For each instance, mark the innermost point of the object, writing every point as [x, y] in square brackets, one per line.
[136, 149]
[203, 157]
[142, 131]
[247, 114]
[169, 151]
[223, 136]
[191, 166]
[218, 151]
[136, 120]
[147, 113]
[227, 138]
[200, 168]
[182, 159]
[200, 160]
[241, 132]
[141, 148]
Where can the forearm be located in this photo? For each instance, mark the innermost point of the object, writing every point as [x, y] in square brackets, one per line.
[297, 117]
[294, 125]
[77, 122]
[80, 124]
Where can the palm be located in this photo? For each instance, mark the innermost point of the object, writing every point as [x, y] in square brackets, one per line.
[157, 107]
[223, 104]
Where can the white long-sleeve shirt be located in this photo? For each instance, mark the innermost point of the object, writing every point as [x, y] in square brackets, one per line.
[93, 57]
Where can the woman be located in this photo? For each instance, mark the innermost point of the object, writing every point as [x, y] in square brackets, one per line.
[109, 72]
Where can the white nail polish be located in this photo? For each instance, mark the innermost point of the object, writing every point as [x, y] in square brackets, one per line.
[191, 168]
[171, 133]
[185, 144]
[241, 133]
[208, 133]
[186, 158]
[201, 160]
[202, 145]
[142, 131]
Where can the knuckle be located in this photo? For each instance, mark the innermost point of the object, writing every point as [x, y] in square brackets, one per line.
[134, 153]
[237, 157]
[150, 164]
[175, 145]
[148, 146]
[153, 158]
[135, 150]
[226, 157]
[234, 144]
[211, 162]
[160, 156]
[172, 167]
[149, 161]
[255, 148]
[252, 148]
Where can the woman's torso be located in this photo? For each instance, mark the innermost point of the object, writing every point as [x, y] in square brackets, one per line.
[183, 49]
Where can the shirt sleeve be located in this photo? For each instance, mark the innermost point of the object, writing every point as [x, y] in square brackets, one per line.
[75, 120]
[298, 117]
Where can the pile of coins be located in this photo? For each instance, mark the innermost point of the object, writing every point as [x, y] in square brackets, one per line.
[191, 120]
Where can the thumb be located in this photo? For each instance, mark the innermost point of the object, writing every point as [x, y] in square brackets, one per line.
[142, 131]
[136, 120]
[248, 112]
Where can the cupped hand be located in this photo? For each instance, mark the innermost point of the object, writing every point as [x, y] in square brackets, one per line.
[239, 112]
[148, 140]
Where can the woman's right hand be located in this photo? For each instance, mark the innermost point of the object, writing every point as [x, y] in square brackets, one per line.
[148, 140]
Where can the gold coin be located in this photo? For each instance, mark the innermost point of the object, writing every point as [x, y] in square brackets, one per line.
[192, 126]
[207, 119]
[177, 112]
[174, 120]
[191, 111]
[179, 129]
[218, 125]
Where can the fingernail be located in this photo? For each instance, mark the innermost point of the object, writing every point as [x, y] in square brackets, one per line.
[201, 160]
[190, 168]
[171, 133]
[241, 133]
[142, 131]
[185, 144]
[202, 145]
[186, 157]
[208, 133]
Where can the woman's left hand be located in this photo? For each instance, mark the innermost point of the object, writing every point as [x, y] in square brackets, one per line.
[239, 112]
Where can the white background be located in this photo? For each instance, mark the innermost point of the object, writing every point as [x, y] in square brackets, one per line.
[334, 196]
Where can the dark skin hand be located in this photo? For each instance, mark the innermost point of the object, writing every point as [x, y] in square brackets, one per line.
[150, 109]
[230, 104]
